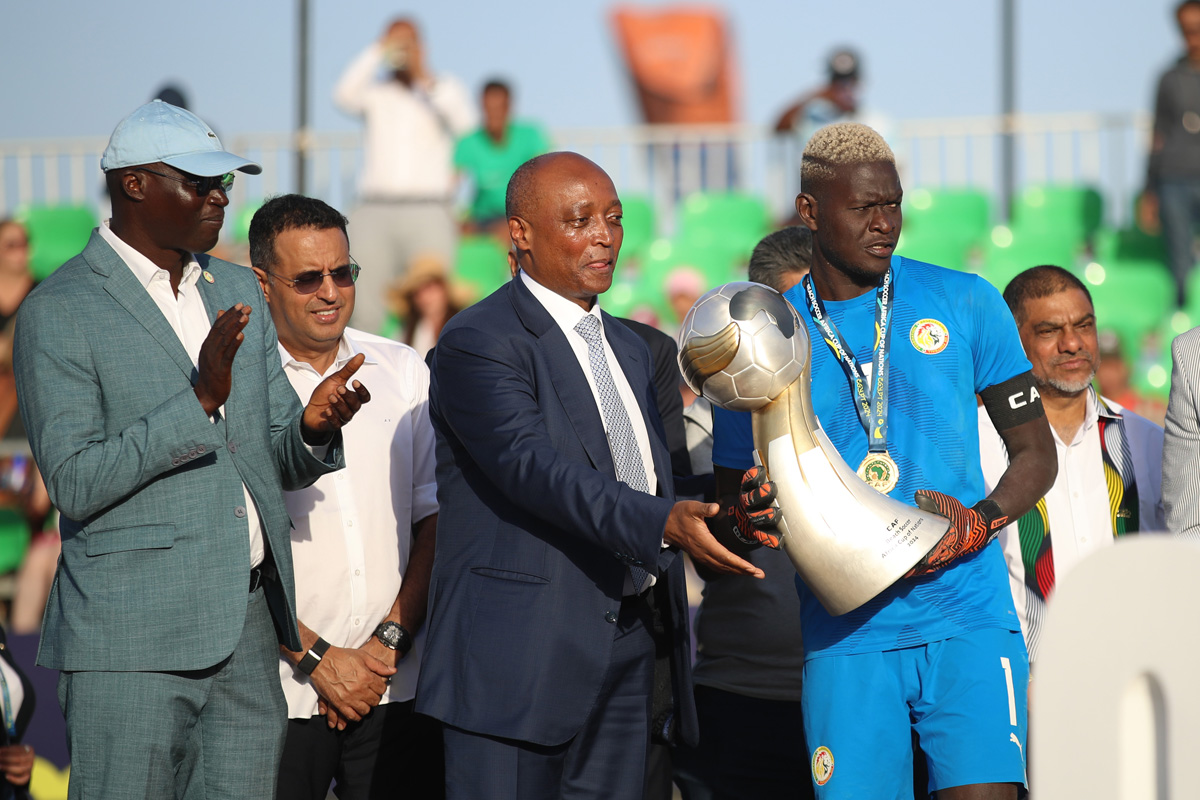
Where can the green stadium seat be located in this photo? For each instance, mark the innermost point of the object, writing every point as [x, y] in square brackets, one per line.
[961, 214]
[1153, 378]
[241, 223]
[481, 264]
[1179, 322]
[14, 538]
[730, 220]
[56, 233]
[1010, 252]
[638, 221]
[1128, 243]
[1134, 298]
[1192, 292]
[1069, 212]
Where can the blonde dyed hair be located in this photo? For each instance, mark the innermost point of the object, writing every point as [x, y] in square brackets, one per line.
[839, 144]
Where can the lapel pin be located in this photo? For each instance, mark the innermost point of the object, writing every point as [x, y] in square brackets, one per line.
[208, 276]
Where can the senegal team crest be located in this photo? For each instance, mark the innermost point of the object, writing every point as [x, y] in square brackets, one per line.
[822, 765]
[929, 336]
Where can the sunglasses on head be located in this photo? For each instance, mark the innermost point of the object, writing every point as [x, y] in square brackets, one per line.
[204, 185]
[309, 282]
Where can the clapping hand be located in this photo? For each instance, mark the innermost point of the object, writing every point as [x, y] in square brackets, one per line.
[215, 368]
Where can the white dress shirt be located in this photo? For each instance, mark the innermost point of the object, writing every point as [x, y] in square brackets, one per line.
[188, 317]
[409, 137]
[1077, 506]
[567, 315]
[352, 529]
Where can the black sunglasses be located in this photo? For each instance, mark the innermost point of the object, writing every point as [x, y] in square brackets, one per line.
[204, 185]
[309, 282]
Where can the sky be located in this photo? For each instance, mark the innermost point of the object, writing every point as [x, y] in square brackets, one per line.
[76, 67]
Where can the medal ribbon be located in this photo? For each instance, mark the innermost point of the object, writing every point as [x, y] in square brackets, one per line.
[872, 407]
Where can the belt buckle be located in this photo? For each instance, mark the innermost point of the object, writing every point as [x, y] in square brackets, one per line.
[256, 578]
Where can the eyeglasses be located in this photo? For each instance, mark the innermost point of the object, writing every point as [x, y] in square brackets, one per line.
[309, 282]
[204, 185]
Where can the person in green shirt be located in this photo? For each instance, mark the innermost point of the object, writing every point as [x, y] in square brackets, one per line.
[490, 155]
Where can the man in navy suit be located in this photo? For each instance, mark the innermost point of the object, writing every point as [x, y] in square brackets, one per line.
[557, 587]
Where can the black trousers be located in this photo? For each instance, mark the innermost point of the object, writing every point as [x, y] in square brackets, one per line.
[750, 749]
[393, 752]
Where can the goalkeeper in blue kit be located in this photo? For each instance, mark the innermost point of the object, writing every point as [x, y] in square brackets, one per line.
[939, 654]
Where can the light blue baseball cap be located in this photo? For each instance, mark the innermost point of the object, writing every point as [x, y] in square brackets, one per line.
[159, 131]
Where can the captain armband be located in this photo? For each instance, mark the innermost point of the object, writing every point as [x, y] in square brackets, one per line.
[1013, 402]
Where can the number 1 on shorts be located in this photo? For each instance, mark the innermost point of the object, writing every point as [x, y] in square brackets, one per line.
[1012, 698]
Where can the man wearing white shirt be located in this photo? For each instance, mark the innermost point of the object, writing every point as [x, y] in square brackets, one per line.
[1109, 458]
[363, 540]
[412, 120]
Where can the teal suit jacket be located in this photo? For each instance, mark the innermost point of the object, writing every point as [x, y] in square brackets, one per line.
[155, 545]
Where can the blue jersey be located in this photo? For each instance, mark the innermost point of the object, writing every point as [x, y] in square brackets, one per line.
[952, 336]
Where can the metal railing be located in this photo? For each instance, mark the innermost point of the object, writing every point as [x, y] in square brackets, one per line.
[666, 163]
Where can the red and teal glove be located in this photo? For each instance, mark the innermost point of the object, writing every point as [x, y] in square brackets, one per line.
[753, 519]
[970, 529]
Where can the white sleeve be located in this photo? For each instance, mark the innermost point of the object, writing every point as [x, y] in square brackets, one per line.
[350, 94]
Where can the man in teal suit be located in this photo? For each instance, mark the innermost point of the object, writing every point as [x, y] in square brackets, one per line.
[166, 432]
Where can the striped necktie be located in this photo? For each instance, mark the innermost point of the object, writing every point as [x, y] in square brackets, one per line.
[627, 456]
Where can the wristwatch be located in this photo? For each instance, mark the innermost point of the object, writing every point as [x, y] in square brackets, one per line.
[394, 636]
[313, 656]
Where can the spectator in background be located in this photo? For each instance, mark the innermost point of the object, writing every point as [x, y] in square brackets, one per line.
[1172, 194]
[22, 481]
[1109, 480]
[15, 282]
[835, 101]
[1114, 379]
[782, 258]
[749, 653]
[424, 301]
[490, 154]
[683, 288]
[413, 118]
[173, 94]
[1112, 373]
[15, 278]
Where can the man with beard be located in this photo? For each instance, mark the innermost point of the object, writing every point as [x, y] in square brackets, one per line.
[1109, 477]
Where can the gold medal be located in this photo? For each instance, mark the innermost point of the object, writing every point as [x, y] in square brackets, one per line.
[879, 472]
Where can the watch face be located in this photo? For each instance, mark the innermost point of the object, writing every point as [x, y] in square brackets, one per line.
[389, 633]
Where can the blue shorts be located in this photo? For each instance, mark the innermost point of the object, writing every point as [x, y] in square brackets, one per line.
[964, 697]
